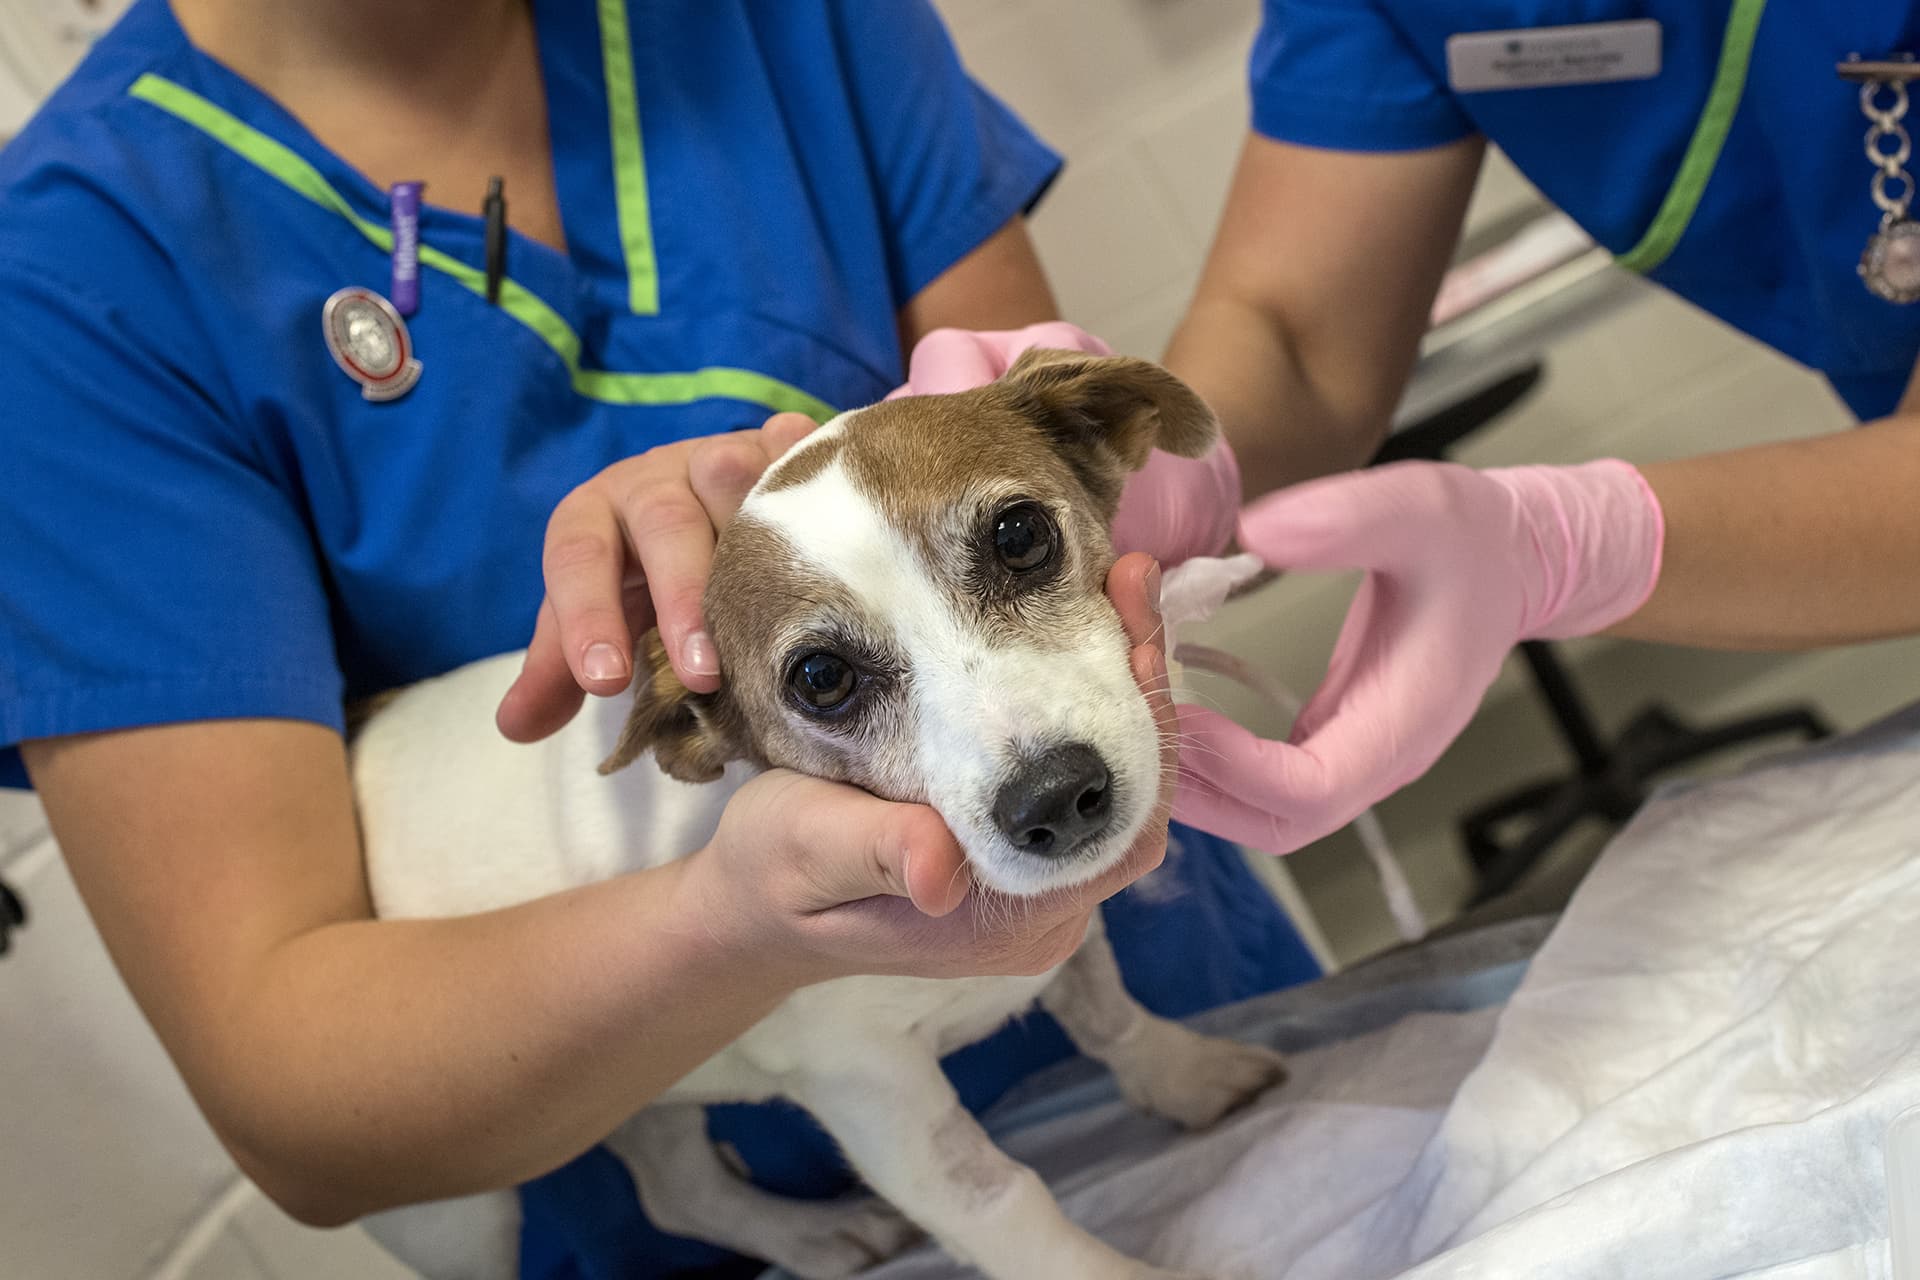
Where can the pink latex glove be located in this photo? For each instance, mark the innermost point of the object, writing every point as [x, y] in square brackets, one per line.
[950, 360]
[1460, 566]
[1173, 508]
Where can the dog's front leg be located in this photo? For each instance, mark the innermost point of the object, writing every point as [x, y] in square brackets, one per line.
[1159, 1065]
[903, 1128]
[689, 1191]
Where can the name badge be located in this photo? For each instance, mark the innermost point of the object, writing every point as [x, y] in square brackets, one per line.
[1550, 57]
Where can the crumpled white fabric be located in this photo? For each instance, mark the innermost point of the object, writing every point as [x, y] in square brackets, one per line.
[1693, 1080]
[1194, 590]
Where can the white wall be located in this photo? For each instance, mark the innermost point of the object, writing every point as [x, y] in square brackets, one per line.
[1147, 100]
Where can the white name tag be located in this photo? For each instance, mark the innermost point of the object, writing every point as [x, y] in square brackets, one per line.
[1545, 57]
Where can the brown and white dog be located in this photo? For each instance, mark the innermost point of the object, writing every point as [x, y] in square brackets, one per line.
[911, 600]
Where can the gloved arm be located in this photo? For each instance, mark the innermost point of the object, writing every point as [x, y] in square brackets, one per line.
[1460, 566]
[1173, 508]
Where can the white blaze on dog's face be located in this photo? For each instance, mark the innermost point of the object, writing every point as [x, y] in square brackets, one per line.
[913, 600]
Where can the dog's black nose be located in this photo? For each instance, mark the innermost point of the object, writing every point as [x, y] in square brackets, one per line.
[1056, 801]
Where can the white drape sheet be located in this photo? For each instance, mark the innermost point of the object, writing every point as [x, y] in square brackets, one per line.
[1693, 1078]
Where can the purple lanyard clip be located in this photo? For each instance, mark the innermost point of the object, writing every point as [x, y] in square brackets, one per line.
[405, 293]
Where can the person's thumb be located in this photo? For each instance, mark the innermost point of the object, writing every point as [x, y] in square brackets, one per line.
[854, 846]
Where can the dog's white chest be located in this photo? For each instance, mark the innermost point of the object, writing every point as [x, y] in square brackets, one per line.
[455, 819]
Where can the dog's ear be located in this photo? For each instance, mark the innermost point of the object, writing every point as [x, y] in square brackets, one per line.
[1113, 404]
[693, 736]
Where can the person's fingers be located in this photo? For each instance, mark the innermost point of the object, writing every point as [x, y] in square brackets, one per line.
[1415, 685]
[951, 360]
[1133, 585]
[1410, 689]
[722, 469]
[672, 536]
[544, 696]
[1275, 796]
[1357, 520]
[1356, 637]
[783, 431]
[1060, 336]
[1235, 819]
[584, 563]
[616, 561]
[1178, 507]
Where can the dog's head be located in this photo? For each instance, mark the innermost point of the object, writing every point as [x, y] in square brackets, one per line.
[913, 600]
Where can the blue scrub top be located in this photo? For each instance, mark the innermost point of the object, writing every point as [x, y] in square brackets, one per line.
[1747, 90]
[202, 517]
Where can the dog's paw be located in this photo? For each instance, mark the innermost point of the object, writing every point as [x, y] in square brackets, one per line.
[838, 1241]
[1194, 1080]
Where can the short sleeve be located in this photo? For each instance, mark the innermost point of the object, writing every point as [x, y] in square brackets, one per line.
[1339, 74]
[953, 163]
[154, 571]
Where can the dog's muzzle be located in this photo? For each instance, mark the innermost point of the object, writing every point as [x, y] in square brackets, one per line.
[1056, 801]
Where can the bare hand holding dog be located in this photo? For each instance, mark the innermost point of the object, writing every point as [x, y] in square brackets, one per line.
[630, 549]
[819, 880]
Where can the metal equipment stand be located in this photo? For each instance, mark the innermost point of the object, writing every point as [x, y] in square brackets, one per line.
[13, 914]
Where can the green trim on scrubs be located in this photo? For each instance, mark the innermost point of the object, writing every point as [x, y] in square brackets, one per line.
[1703, 151]
[284, 164]
[629, 159]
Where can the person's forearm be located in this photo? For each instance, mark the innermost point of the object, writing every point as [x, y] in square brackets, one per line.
[1781, 546]
[998, 285]
[376, 1063]
[1282, 430]
[1308, 317]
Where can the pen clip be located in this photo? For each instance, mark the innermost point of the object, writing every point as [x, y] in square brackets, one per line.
[495, 212]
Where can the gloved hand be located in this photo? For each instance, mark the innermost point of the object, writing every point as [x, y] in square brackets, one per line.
[950, 360]
[1460, 566]
[1173, 508]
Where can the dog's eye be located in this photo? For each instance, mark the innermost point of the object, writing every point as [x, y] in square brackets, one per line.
[822, 681]
[1024, 537]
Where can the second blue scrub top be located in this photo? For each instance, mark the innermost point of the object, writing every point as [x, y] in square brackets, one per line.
[201, 516]
[1735, 177]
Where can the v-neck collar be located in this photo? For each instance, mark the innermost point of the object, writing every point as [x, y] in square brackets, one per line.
[559, 297]
[601, 190]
